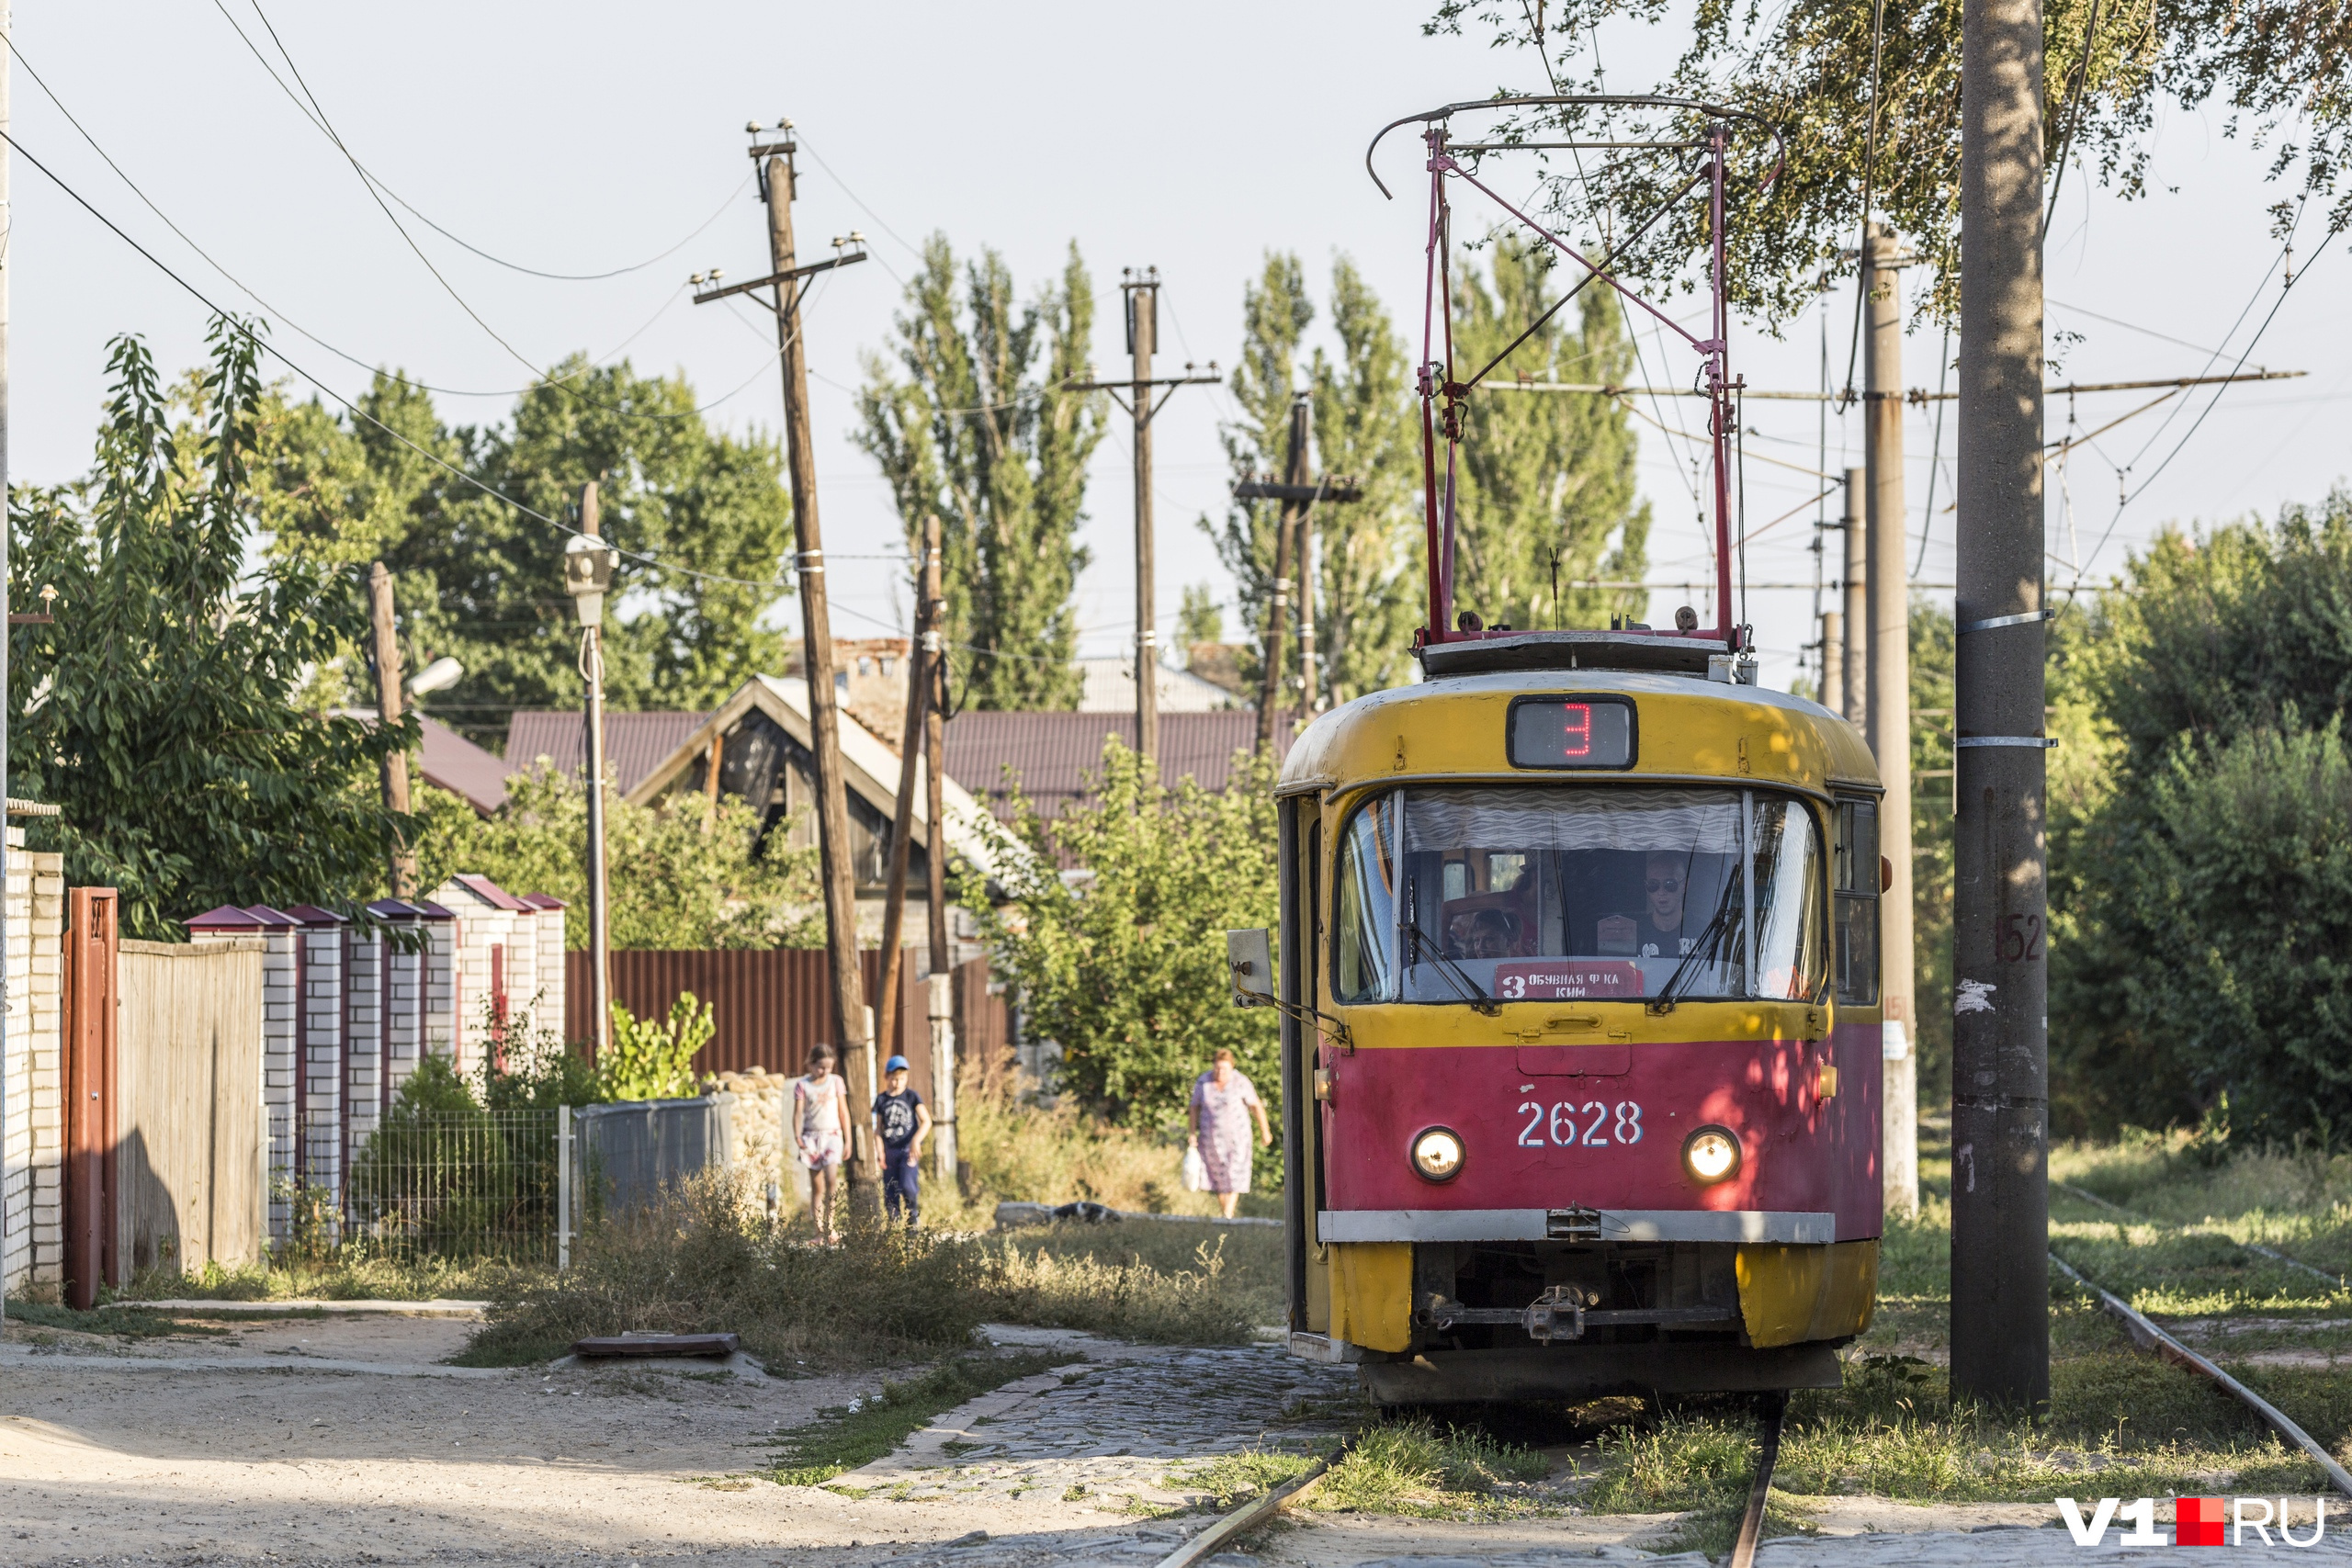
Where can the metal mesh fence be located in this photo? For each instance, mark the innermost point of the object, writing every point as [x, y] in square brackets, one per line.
[455, 1184]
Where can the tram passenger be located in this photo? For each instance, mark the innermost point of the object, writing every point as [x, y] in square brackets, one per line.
[1492, 934]
[1223, 1102]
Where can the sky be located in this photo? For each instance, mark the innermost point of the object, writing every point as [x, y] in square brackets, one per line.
[589, 137]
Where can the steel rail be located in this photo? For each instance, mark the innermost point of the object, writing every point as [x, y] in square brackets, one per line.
[2148, 1337]
[1751, 1522]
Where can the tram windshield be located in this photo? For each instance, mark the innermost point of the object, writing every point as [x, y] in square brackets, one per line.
[1591, 893]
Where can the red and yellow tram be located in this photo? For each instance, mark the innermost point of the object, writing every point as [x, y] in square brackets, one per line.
[1581, 1040]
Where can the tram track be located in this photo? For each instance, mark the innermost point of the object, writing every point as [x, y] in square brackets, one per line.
[1774, 1416]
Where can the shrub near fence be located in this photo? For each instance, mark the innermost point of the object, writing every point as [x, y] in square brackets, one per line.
[443, 1178]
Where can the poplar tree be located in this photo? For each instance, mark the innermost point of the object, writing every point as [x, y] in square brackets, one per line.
[969, 418]
[1367, 551]
[1544, 473]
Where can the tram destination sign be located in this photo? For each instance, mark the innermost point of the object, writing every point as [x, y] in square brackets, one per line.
[1572, 732]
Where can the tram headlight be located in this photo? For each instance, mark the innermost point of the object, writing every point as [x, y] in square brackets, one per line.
[1437, 1154]
[1711, 1155]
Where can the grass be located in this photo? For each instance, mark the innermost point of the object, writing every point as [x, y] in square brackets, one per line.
[342, 1277]
[1416, 1468]
[708, 1261]
[120, 1324]
[843, 1438]
[2139, 1424]
[1031, 1153]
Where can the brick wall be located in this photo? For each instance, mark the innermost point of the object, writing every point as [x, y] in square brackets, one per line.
[31, 1160]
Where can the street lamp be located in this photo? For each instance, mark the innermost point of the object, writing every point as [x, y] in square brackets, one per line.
[587, 574]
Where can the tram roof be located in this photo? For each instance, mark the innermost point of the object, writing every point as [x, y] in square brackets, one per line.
[1690, 727]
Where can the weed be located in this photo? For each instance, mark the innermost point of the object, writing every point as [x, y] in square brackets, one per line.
[1413, 1467]
[1232, 1477]
[845, 1437]
[1068, 1279]
[120, 1323]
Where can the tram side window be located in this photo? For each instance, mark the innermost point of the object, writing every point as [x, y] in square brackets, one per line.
[1855, 914]
[1365, 895]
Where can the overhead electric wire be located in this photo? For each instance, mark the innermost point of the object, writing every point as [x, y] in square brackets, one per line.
[318, 119]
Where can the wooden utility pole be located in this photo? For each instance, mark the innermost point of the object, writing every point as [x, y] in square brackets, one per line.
[1308, 681]
[773, 161]
[1857, 604]
[388, 713]
[7, 220]
[1295, 466]
[1143, 325]
[902, 837]
[2000, 1109]
[1890, 713]
[1298, 496]
[935, 745]
[942, 994]
[1141, 290]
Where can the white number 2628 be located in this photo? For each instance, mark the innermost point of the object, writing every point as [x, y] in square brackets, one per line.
[1568, 1125]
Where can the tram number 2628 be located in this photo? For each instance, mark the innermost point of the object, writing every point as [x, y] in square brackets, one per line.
[1567, 1124]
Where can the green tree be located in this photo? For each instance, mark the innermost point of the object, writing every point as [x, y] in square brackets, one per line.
[1367, 552]
[970, 420]
[2190, 869]
[2278, 76]
[159, 710]
[681, 878]
[481, 581]
[1545, 473]
[1198, 619]
[1123, 964]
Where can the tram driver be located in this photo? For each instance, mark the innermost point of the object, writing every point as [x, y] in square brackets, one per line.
[1657, 931]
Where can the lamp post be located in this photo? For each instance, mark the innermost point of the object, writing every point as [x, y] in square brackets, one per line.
[587, 573]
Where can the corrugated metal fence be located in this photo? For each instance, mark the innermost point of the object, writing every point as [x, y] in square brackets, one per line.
[770, 1005]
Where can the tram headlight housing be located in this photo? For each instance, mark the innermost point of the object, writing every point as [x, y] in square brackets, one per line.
[1437, 1154]
[1711, 1155]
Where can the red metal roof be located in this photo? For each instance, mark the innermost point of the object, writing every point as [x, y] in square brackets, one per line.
[227, 918]
[490, 892]
[1054, 755]
[457, 764]
[312, 915]
[544, 901]
[265, 916]
[635, 743]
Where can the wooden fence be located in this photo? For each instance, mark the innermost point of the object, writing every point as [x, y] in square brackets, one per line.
[189, 1183]
[770, 1005]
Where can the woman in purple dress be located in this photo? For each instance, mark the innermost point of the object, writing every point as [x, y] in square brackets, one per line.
[1223, 1102]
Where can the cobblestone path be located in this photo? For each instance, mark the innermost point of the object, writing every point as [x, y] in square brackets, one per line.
[1128, 1429]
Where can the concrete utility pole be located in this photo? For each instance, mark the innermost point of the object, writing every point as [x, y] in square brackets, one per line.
[1141, 290]
[1890, 712]
[388, 713]
[1857, 604]
[591, 666]
[1832, 660]
[824, 713]
[2000, 1122]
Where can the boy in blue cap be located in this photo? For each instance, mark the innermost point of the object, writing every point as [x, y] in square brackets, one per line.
[899, 1121]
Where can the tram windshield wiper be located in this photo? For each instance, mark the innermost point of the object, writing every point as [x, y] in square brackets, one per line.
[1708, 940]
[1472, 992]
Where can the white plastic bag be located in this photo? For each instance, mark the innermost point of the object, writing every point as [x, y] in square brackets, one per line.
[1196, 1170]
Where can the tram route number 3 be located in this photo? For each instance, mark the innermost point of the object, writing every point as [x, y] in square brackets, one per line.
[1567, 1124]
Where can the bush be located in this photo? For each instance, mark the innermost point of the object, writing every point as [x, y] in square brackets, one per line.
[1123, 964]
[655, 1060]
[706, 1261]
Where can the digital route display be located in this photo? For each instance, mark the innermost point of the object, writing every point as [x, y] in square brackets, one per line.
[1572, 732]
